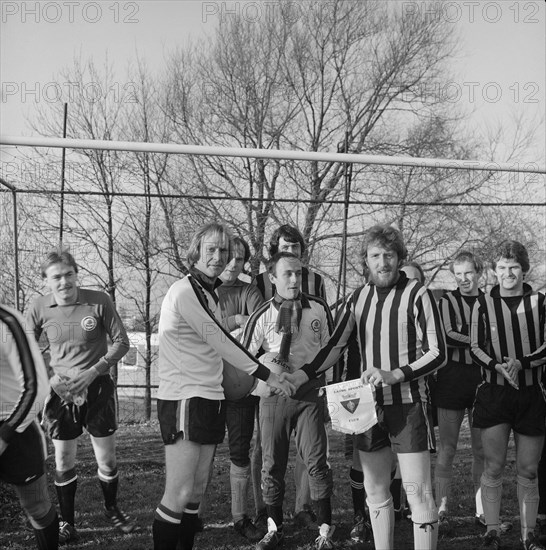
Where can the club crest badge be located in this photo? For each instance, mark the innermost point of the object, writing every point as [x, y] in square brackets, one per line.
[315, 325]
[89, 323]
[350, 405]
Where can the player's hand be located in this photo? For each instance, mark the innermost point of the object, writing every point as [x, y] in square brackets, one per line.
[508, 372]
[279, 387]
[513, 366]
[3, 446]
[378, 377]
[241, 319]
[81, 381]
[296, 378]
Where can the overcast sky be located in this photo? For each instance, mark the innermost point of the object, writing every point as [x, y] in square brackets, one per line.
[499, 69]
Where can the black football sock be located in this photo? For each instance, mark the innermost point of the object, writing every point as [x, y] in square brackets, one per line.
[66, 484]
[357, 491]
[109, 485]
[166, 528]
[47, 538]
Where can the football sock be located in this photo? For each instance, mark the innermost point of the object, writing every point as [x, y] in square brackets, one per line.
[528, 504]
[66, 484]
[425, 530]
[324, 511]
[239, 476]
[166, 528]
[47, 536]
[357, 491]
[275, 513]
[477, 471]
[382, 520]
[188, 525]
[491, 500]
[109, 485]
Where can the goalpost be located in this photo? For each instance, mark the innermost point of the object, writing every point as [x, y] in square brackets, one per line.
[278, 154]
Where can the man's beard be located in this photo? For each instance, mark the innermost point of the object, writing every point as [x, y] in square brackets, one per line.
[384, 282]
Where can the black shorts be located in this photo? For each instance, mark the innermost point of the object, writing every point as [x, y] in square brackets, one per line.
[23, 460]
[524, 409]
[407, 428]
[195, 419]
[98, 415]
[456, 386]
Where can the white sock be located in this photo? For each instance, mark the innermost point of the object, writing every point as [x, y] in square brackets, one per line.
[239, 477]
[528, 504]
[491, 500]
[382, 520]
[425, 530]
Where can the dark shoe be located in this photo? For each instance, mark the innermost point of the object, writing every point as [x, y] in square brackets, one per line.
[306, 519]
[260, 521]
[361, 531]
[273, 539]
[532, 543]
[324, 540]
[119, 519]
[67, 533]
[504, 527]
[247, 529]
[540, 530]
[492, 540]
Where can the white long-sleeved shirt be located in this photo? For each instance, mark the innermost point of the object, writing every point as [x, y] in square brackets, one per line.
[192, 343]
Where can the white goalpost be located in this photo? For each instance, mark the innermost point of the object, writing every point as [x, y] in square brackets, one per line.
[280, 154]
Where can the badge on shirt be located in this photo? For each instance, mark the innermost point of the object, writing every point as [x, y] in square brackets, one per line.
[89, 323]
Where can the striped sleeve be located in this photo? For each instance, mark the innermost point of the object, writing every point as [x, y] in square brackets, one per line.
[330, 353]
[454, 337]
[431, 335]
[253, 333]
[24, 378]
[479, 336]
[537, 331]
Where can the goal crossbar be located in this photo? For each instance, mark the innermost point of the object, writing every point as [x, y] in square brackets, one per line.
[278, 154]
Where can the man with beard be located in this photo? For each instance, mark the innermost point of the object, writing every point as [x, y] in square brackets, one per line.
[401, 341]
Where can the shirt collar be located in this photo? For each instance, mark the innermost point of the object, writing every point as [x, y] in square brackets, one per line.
[495, 291]
[277, 300]
[53, 302]
[204, 281]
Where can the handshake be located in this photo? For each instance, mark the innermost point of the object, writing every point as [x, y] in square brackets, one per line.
[286, 383]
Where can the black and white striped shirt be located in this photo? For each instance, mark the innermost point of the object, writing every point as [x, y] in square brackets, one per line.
[456, 312]
[396, 327]
[24, 384]
[510, 327]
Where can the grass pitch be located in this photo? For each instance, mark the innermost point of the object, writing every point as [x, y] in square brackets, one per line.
[141, 465]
